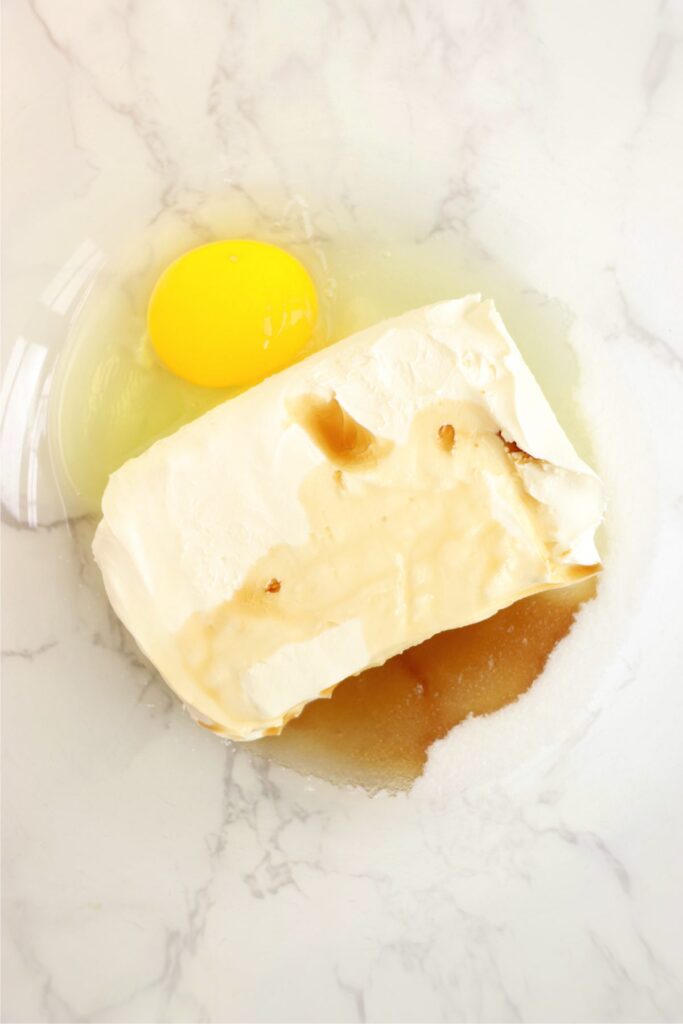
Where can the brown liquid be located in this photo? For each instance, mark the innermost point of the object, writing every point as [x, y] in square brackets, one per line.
[345, 443]
[377, 727]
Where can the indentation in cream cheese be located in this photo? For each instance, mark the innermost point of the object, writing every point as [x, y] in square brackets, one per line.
[343, 441]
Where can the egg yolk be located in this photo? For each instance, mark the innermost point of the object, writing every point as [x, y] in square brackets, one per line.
[231, 313]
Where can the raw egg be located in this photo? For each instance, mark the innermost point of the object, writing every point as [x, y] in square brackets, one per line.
[230, 313]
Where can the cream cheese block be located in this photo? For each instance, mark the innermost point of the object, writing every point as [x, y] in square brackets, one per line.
[409, 479]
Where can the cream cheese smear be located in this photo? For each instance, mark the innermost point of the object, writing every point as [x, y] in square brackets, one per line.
[405, 481]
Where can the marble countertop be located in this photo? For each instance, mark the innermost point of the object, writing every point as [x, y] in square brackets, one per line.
[151, 873]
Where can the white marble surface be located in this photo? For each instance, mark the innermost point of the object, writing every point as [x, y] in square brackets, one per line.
[151, 873]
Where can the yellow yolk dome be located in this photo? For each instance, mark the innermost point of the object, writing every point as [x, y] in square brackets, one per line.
[231, 313]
